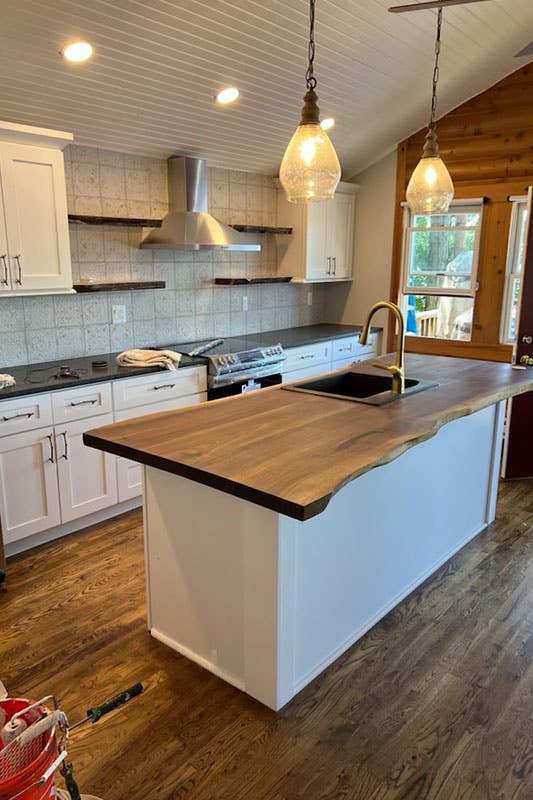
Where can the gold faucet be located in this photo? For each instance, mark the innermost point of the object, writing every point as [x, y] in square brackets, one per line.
[396, 370]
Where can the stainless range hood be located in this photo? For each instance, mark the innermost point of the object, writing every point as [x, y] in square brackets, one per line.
[188, 225]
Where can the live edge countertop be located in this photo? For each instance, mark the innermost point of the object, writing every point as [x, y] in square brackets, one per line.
[35, 378]
[291, 451]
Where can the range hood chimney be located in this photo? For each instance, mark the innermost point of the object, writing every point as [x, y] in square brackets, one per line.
[188, 225]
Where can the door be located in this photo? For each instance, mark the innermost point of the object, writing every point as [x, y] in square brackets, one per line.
[518, 454]
[29, 498]
[87, 477]
[342, 232]
[35, 206]
[318, 259]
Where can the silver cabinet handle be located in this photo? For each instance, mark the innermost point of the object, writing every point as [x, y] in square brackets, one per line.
[307, 355]
[5, 280]
[329, 265]
[16, 259]
[334, 265]
[26, 414]
[65, 442]
[83, 403]
[164, 386]
[51, 458]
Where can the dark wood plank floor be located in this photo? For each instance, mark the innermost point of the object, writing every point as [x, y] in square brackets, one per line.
[435, 703]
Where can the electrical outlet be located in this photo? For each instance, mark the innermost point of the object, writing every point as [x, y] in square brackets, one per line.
[309, 298]
[119, 314]
[245, 302]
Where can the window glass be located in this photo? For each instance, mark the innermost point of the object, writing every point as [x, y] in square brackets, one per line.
[441, 259]
[439, 316]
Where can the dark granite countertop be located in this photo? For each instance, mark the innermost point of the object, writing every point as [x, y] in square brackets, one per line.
[34, 378]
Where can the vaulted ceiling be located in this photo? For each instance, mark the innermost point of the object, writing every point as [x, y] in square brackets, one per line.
[149, 88]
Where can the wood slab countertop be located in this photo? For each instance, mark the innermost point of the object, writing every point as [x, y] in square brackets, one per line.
[291, 451]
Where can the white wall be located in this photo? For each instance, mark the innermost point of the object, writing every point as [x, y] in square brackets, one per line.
[374, 227]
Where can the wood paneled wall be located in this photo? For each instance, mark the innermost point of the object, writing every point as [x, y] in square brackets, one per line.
[487, 144]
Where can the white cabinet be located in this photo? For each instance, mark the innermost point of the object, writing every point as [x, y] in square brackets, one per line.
[29, 493]
[320, 248]
[315, 359]
[34, 237]
[87, 477]
[182, 388]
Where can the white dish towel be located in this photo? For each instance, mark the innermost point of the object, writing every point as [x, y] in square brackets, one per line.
[149, 358]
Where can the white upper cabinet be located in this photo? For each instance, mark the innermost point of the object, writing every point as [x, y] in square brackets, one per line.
[34, 237]
[321, 246]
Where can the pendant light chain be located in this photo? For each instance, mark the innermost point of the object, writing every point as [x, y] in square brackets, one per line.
[436, 71]
[309, 76]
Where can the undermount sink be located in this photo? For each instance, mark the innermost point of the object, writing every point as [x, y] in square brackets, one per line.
[360, 387]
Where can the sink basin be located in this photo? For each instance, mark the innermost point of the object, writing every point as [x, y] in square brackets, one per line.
[360, 387]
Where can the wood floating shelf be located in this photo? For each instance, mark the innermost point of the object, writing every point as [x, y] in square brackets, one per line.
[260, 229]
[139, 222]
[250, 281]
[118, 286]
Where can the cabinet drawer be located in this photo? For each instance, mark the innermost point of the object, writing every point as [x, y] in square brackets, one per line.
[303, 357]
[348, 347]
[159, 386]
[25, 413]
[306, 372]
[81, 402]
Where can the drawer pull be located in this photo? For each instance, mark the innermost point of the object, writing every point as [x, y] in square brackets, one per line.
[51, 443]
[26, 414]
[343, 349]
[83, 403]
[307, 355]
[164, 386]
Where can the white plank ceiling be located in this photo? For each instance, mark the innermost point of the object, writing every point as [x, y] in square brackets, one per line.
[149, 88]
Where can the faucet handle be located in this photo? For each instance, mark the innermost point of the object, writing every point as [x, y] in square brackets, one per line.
[392, 368]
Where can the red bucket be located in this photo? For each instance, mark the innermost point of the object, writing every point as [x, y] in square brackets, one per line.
[21, 768]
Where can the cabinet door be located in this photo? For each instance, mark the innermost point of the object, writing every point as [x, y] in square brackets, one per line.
[5, 274]
[29, 499]
[129, 473]
[318, 267]
[342, 235]
[87, 477]
[35, 205]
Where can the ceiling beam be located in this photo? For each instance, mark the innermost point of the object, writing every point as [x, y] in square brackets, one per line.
[431, 4]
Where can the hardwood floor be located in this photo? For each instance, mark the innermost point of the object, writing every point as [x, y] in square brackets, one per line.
[434, 703]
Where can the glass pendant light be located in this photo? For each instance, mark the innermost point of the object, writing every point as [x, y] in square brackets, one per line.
[310, 169]
[430, 190]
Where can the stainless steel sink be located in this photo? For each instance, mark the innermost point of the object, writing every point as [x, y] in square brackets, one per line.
[360, 387]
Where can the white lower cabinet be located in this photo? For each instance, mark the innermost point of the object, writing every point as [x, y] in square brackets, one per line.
[29, 491]
[129, 473]
[310, 360]
[87, 477]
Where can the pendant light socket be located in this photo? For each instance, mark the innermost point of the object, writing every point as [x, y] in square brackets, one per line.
[310, 109]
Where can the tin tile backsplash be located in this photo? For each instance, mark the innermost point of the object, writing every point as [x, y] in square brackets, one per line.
[110, 183]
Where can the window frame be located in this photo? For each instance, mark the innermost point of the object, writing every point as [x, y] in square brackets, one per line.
[477, 205]
[520, 203]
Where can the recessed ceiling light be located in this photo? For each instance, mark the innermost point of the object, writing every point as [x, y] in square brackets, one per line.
[327, 123]
[228, 95]
[77, 51]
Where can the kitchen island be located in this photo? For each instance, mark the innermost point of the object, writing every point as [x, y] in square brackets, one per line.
[281, 526]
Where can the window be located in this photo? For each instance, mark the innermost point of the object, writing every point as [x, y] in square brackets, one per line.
[440, 271]
[515, 259]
